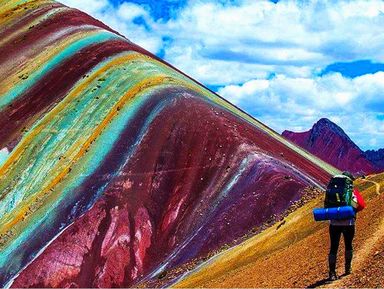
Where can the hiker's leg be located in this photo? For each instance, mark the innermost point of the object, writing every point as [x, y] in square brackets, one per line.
[335, 234]
[349, 233]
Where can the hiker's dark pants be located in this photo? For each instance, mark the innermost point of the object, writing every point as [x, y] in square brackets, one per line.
[335, 234]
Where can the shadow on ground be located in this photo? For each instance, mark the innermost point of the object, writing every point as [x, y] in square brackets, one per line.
[319, 283]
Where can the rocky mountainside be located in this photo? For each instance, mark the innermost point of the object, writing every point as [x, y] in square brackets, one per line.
[329, 142]
[376, 157]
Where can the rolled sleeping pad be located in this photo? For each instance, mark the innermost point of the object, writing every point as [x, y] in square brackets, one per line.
[337, 213]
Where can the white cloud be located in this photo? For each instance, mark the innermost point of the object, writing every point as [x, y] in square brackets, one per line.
[129, 11]
[295, 38]
[92, 7]
[296, 103]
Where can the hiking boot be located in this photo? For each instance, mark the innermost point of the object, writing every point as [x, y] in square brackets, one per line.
[332, 276]
[348, 262]
[332, 267]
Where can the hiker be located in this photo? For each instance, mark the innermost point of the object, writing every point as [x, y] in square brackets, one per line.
[345, 227]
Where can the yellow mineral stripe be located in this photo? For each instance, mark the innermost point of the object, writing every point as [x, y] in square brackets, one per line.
[13, 12]
[16, 34]
[8, 66]
[12, 4]
[44, 57]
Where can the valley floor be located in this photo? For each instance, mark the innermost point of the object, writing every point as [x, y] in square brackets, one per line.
[293, 253]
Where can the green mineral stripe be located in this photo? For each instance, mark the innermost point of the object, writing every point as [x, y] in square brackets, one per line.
[69, 51]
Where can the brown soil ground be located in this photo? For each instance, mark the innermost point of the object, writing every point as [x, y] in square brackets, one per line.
[294, 252]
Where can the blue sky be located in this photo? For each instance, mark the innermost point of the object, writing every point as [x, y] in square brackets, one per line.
[288, 63]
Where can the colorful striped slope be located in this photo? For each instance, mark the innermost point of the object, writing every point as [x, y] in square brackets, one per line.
[114, 166]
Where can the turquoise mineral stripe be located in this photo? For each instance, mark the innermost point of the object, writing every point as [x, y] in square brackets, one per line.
[3, 155]
[52, 145]
[88, 165]
[56, 145]
[61, 133]
[22, 86]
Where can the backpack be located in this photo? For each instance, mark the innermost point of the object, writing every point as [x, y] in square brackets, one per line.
[339, 192]
[357, 201]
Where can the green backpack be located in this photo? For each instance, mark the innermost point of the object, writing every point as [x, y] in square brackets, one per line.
[339, 192]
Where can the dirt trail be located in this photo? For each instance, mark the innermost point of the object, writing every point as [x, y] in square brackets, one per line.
[295, 254]
[378, 187]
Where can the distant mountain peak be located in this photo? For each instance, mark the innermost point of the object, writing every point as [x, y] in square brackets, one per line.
[329, 142]
[325, 124]
[324, 121]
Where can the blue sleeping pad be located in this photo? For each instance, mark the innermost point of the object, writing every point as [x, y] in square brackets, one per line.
[337, 213]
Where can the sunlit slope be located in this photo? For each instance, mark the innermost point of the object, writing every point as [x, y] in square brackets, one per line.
[293, 253]
[120, 166]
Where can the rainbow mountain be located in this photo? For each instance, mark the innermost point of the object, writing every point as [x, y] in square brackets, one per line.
[115, 167]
